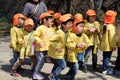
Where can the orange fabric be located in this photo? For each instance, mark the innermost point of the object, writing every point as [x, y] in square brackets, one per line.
[51, 12]
[75, 22]
[45, 14]
[16, 17]
[65, 17]
[109, 17]
[78, 16]
[28, 21]
[91, 12]
[57, 15]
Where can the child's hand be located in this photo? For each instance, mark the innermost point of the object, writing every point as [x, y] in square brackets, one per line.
[92, 29]
[22, 42]
[59, 49]
[41, 45]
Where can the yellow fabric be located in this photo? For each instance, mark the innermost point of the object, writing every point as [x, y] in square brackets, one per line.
[72, 40]
[94, 37]
[15, 35]
[118, 37]
[71, 45]
[82, 40]
[57, 41]
[108, 40]
[26, 36]
[42, 34]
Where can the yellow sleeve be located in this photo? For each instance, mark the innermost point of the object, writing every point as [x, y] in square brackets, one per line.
[87, 41]
[97, 25]
[37, 34]
[111, 37]
[71, 44]
[13, 36]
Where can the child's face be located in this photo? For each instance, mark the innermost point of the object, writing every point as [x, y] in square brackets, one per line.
[20, 22]
[80, 28]
[28, 28]
[49, 21]
[68, 25]
[92, 18]
[35, 0]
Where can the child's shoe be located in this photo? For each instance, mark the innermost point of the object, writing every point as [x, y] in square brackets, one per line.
[14, 73]
[38, 76]
[108, 72]
[84, 68]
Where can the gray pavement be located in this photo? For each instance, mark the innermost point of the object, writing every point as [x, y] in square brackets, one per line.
[6, 59]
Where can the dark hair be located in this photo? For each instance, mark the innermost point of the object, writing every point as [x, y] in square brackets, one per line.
[67, 21]
[88, 19]
[31, 1]
[79, 23]
[47, 17]
[104, 28]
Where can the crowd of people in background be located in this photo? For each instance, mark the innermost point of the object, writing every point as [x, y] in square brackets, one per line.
[48, 36]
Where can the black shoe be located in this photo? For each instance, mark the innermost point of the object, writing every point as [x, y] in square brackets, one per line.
[96, 69]
[19, 70]
[84, 69]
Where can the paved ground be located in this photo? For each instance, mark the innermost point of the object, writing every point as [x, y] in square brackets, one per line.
[6, 59]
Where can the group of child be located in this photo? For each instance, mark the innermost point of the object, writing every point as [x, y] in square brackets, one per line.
[63, 39]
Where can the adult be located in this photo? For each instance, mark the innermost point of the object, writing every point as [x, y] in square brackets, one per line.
[33, 9]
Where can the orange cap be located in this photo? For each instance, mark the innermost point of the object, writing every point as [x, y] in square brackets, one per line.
[65, 17]
[78, 17]
[110, 17]
[57, 15]
[91, 12]
[45, 14]
[28, 21]
[51, 12]
[74, 24]
[16, 17]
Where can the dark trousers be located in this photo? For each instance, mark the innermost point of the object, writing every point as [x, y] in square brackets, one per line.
[117, 63]
[94, 56]
[106, 59]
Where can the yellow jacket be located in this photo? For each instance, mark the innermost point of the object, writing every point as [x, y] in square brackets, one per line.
[83, 39]
[42, 34]
[71, 45]
[15, 35]
[28, 40]
[108, 40]
[57, 41]
[119, 37]
[72, 40]
[94, 37]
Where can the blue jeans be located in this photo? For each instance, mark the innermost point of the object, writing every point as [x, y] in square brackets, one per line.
[106, 59]
[59, 65]
[73, 70]
[40, 60]
[15, 56]
[117, 63]
[94, 56]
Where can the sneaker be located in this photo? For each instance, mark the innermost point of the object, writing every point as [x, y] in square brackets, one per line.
[117, 72]
[14, 73]
[96, 69]
[108, 72]
[38, 76]
[84, 69]
[67, 77]
[51, 77]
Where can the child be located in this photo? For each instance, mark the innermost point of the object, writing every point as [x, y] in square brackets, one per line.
[26, 41]
[15, 34]
[42, 36]
[108, 40]
[117, 63]
[82, 39]
[92, 29]
[57, 47]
